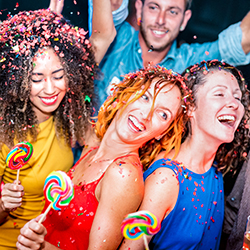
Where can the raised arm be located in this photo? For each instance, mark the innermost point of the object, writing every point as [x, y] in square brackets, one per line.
[56, 6]
[103, 29]
[245, 26]
[115, 4]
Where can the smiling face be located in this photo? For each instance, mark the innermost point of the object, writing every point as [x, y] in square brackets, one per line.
[138, 123]
[48, 83]
[161, 21]
[218, 109]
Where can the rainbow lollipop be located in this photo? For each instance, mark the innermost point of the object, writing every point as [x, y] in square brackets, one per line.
[19, 155]
[58, 190]
[139, 224]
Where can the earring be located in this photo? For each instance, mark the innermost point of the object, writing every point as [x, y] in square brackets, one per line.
[181, 28]
[158, 137]
[139, 21]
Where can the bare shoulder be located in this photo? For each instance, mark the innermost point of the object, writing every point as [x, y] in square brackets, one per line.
[125, 172]
[164, 176]
[126, 166]
[161, 191]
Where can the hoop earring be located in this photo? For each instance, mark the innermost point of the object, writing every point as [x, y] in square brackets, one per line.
[139, 21]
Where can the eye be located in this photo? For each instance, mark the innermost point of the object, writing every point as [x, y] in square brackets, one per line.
[145, 97]
[152, 7]
[37, 77]
[219, 94]
[36, 81]
[173, 12]
[237, 98]
[59, 77]
[163, 115]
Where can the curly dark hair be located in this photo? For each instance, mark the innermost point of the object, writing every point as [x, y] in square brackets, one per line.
[229, 156]
[20, 38]
[139, 83]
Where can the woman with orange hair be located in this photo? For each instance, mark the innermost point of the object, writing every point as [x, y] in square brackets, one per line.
[145, 113]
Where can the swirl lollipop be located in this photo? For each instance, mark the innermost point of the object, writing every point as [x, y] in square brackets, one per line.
[139, 224]
[19, 155]
[58, 190]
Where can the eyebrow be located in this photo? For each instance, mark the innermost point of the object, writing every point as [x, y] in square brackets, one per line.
[169, 8]
[225, 87]
[40, 74]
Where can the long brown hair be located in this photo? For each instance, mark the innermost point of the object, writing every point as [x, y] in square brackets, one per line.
[229, 155]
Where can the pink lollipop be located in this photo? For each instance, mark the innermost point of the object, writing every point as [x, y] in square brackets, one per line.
[139, 224]
[58, 190]
[19, 155]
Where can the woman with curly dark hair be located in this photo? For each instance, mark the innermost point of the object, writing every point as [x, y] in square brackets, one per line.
[146, 108]
[186, 192]
[46, 97]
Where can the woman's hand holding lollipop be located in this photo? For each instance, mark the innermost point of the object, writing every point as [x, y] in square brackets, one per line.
[12, 193]
[18, 156]
[59, 191]
[140, 224]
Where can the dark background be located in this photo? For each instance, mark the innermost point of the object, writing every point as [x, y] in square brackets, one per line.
[69, 11]
[209, 17]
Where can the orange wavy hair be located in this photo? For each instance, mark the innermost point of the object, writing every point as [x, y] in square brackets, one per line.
[132, 88]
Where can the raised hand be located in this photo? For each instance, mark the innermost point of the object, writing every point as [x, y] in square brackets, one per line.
[56, 6]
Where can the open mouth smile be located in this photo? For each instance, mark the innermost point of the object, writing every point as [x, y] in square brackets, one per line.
[227, 120]
[135, 124]
[49, 100]
[159, 32]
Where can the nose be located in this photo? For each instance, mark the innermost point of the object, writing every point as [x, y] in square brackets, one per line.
[49, 87]
[233, 103]
[146, 113]
[161, 18]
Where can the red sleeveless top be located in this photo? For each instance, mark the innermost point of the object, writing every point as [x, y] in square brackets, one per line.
[70, 227]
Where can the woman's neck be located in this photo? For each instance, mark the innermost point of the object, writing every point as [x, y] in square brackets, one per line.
[197, 155]
[111, 149]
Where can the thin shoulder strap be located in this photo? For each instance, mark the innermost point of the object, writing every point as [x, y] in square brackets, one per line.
[91, 149]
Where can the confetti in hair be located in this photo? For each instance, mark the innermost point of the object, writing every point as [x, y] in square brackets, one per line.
[229, 154]
[26, 30]
[24, 35]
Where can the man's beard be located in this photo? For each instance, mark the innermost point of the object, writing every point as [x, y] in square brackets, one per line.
[150, 46]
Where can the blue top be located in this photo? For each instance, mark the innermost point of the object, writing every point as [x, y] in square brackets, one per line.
[124, 55]
[197, 218]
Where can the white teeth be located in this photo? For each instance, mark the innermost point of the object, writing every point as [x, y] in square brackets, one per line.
[157, 32]
[138, 125]
[226, 118]
[49, 100]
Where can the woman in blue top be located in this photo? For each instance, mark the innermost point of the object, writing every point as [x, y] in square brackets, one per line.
[185, 190]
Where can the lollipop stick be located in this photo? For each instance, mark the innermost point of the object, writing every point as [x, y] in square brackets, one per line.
[17, 175]
[145, 242]
[45, 213]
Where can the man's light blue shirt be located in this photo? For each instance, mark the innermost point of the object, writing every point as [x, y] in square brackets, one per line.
[124, 55]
